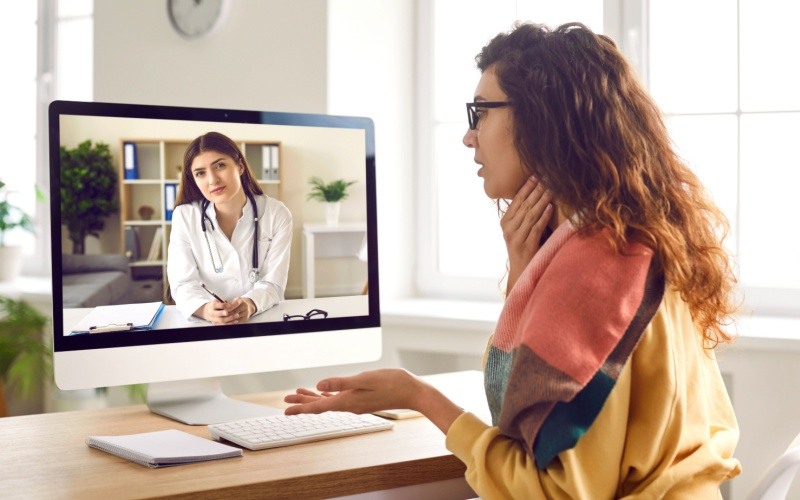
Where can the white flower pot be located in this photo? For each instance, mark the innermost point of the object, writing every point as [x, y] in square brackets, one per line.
[332, 213]
[10, 262]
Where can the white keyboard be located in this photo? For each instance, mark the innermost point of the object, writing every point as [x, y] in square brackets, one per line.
[284, 430]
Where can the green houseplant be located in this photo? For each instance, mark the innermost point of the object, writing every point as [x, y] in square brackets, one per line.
[11, 217]
[331, 193]
[25, 358]
[88, 191]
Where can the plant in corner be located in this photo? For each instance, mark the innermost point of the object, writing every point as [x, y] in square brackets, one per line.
[88, 191]
[25, 358]
[11, 217]
[331, 193]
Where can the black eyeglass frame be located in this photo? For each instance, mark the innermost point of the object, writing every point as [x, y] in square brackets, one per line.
[472, 110]
[309, 315]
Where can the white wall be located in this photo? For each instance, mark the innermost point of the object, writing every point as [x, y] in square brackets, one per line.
[268, 55]
[371, 73]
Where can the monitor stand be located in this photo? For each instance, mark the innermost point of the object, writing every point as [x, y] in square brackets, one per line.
[200, 402]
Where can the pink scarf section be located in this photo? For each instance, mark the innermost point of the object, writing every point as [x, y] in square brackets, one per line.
[568, 311]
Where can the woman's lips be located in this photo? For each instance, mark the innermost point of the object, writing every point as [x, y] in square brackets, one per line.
[217, 190]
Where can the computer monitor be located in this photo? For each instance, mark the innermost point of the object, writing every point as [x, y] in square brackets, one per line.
[182, 358]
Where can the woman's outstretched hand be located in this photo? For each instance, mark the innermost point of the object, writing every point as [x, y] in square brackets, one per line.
[523, 225]
[373, 391]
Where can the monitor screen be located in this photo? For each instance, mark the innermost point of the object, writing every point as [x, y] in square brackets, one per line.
[127, 276]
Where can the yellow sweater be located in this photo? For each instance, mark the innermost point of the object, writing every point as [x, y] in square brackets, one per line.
[667, 430]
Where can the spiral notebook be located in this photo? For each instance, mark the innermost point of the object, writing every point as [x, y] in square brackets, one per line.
[163, 448]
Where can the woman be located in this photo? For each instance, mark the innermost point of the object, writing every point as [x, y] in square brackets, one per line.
[600, 375]
[230, 243]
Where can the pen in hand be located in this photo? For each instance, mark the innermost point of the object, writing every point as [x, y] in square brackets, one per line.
[220, 299]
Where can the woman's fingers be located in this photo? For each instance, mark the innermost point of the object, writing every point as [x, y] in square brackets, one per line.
[318, 405]
[519, 199]
[306, 392]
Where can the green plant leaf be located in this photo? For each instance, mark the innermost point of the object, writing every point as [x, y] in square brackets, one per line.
[330, 192]
[12, 216]
[25, 358]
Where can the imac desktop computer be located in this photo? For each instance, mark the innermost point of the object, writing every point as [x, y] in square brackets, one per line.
[115, 171]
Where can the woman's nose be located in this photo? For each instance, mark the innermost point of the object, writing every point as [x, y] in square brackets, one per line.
[470, 138]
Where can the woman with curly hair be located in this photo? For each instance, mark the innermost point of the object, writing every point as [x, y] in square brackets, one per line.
[600, 376]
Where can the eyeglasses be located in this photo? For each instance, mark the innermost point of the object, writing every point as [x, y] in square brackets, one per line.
[312, 314]
[473, 115]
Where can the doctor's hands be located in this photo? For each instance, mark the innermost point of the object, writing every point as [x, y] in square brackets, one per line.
[523, 224]
[238, 310]
[376, 390]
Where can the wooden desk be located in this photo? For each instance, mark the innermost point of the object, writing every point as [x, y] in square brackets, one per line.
[45, 456]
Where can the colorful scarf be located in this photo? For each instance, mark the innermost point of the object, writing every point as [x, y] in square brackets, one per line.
[567, 328]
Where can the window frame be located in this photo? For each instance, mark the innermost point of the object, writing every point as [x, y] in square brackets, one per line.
[46, 36]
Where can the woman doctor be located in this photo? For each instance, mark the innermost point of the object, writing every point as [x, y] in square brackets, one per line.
[230, 243]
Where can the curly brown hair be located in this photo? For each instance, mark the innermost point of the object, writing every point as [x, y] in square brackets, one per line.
[587, 129]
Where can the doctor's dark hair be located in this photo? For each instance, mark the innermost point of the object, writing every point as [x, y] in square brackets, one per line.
[212, 141]
[585, 126]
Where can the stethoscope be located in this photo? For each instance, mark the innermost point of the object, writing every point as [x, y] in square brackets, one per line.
[254, 274]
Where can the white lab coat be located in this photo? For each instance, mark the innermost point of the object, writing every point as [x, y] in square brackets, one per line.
[189, 261]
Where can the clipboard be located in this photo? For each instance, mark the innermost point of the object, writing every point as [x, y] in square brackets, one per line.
[120, 318]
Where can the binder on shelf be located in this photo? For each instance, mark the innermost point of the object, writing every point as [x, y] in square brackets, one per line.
[274, 162]
[155, 246]
[266, 162]
[131, 160]
[170, 192]
[120, 318]
[163, 448]
[132, 243]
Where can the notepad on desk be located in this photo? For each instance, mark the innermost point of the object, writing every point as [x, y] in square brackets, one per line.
[117, 318]
[163, 448]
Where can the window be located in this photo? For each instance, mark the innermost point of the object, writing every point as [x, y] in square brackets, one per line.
[19, 102]
[733, 111]
[52, 60]
[727, 90]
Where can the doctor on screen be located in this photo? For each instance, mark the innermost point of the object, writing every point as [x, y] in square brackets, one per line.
[228, 256]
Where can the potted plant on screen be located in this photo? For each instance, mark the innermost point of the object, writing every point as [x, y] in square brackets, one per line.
[88, 191]
[11, 217]
[25, 357]
[332, 194]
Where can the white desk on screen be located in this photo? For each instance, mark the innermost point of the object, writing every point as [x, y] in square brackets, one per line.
[337, 307]
[323, 241]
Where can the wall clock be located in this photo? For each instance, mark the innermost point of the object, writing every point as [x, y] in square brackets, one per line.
[196, 18]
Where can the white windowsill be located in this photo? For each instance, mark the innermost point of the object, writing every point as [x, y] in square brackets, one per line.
[29, 288]
[754, 332]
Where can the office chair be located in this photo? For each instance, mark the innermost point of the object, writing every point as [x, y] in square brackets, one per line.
[775, 482]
